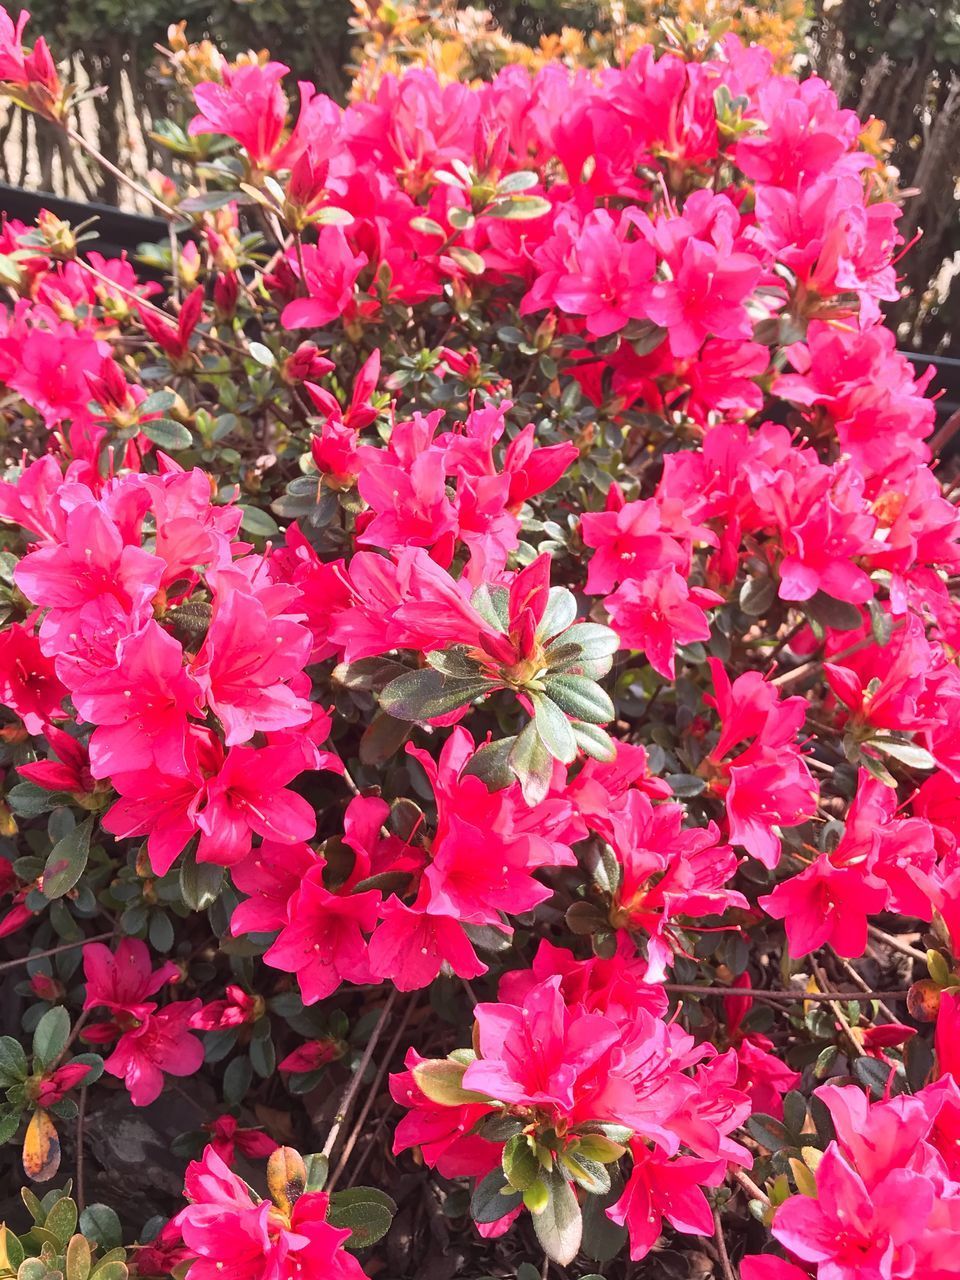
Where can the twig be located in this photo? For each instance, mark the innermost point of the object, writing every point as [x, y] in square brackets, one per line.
[748, 1185]
[143, 192]
[682, 988]
[838, 1013]
[903, 947]
[346, 1102]
[725, 1263]
[55, 951]
[81, 1116]
[862, 984]
[372, 1092]
[807, 668]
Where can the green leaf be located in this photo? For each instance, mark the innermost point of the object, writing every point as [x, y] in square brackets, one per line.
[469, 261]
[364, 1211]
[454, 662]
[602, 1239]
[908, 753]
[553, 729]
[27, 800]
[78, 1260]
[581, 698]
[426, 227]
[100, 1224]
[9, 1124]
[829, 612]
[491, 764]
[522, 180]
[258, 523]
[559, 1228]
[594, 741]
[13, 1247]
[237, 1080]
[560, 613]
[210, 200]
[318, 1167]
[595, 641]
[442, 1082]
[757, 595]
[521, 1168]
[263, 355]
[51, 1036]
[200, 882]
[493, 1198]
[62, 1219]
[157, 402]
[532, 765]
[422, 695]
[519, 207]
[872, 1074]
[13, 1061]
[596, 1147]
[167, 433]
[587, 1173]
[67, 860]
[113, 1269]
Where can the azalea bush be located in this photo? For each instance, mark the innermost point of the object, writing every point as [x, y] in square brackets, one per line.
[481, 715]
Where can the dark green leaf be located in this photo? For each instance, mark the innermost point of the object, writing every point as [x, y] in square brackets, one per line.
[51, 1036]
[493, 1198]
[67, 860]
[559, 1228]
[581, 698]
[167, 433]
[422, 695]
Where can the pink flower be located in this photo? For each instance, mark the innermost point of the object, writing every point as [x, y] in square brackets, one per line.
[312, 1055]
[122, 981]
[409, 946]
[607, 283]
[92, 564]
[140, 707]
[57, 1084]
[330, 270]
[160, 1044]
[226, 1227]
[249, 795]
[657, 613]
[249, 106]
[323, 942]
[226, 1138]
[661, 1188]
[28, 680]
[251, 653]
[69, 771]
[850, 1231]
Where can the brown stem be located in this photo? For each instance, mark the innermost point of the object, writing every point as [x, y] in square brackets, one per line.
[749, 1186]
[851, 972]
[54, 951]
[144, 192]
[81, 1116]
[685, 988]
[838, 1013]
[372, 1094]
[350, 1093]
[725, 1263]
[903, 947]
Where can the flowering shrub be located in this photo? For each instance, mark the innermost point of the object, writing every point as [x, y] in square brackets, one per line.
[508, 553]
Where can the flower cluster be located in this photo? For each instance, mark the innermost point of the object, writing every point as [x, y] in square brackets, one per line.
[576, 1068]
[507, 550]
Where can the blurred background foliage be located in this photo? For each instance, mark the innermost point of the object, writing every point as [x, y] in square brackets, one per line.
[894, 60]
